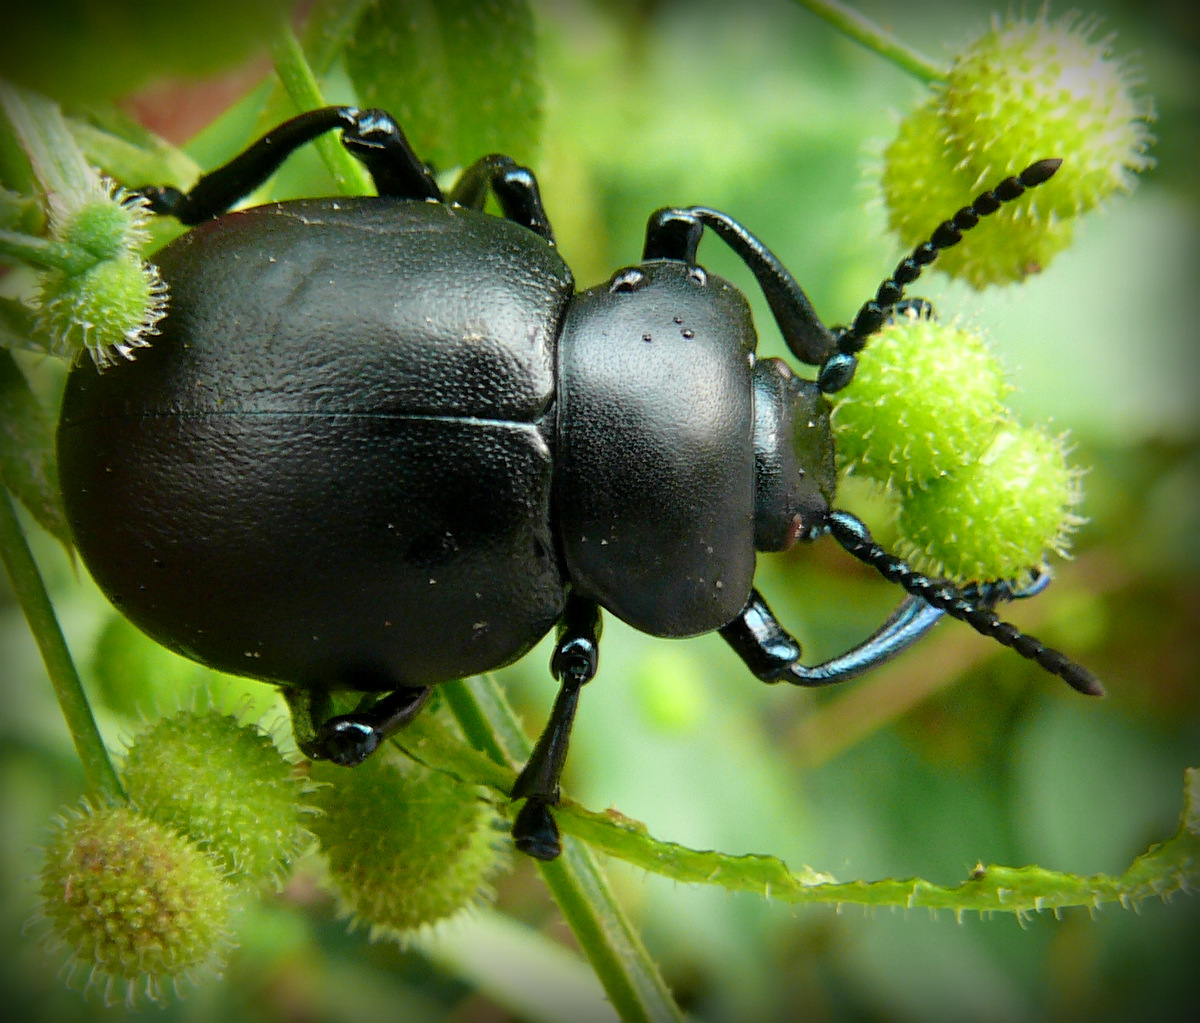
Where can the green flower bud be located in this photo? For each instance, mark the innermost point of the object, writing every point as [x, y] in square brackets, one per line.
[925, 181]
[114, 305]
[223, 785]
[997, 518]
[1027, 90]
[405, 846]
[926, 400]
[107, 225]
[137, 904]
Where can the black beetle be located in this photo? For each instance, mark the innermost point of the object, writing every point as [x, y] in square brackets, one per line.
[382, 443]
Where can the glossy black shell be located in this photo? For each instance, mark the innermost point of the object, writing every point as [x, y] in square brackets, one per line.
[334, 466]
[379, 439]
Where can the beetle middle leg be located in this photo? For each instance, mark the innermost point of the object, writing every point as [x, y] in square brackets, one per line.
[348, 739]
[574, 663]
[515, 188]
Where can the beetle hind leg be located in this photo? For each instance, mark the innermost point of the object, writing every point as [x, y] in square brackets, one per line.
[348, 739]
[372, 136]
[574, 663]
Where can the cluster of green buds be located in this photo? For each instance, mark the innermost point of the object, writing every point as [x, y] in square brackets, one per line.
[1026, 90]
[101, 296]
[143, 893]
[983, 497]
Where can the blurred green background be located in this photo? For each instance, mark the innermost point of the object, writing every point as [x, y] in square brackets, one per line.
[956, 753]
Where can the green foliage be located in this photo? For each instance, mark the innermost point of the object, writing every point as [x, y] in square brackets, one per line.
[78, 50]
[758, 111]
[27, 466]
[460, 75]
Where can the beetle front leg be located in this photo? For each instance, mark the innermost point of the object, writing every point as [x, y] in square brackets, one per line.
[515, 188]
[773, 655]
[574, 663]
[675, 233]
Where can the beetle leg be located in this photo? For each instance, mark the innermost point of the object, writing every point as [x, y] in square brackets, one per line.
[349, 739]
[371, 135]
[515, 188]
[855, 539]
[307, 707]
[773, 655]
[574, 663]
[674, 233]
[379, 143]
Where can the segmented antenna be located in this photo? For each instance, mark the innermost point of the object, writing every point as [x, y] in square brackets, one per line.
[838, 369]
[850, 532]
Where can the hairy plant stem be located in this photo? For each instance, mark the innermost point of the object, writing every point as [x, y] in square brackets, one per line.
[875, 38]
[629, 976]
[31, 594]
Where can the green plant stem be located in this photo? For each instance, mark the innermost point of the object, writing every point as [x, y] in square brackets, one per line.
[875, 38]
[298, 80]
[630, 977]
[43, 623]
[1166, 868]
[46, 253]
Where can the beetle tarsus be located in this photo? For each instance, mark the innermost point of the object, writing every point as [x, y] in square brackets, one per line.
[535, 832]
[574, 662]
[348, 742]
[349, 739]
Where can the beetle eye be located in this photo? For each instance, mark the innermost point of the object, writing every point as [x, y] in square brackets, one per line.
[629, 279]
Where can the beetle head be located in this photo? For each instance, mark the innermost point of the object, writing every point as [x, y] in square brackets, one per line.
[794, 472]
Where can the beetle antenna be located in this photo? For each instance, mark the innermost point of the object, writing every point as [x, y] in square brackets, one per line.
[850, 532]
[838, 369]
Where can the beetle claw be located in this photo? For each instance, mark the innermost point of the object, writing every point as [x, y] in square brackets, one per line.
[534, 831]
[347, 741]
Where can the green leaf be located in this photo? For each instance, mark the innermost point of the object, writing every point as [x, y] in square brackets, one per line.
[18, 330]
[460, 76]
[84, 50]
[133, 162]
[27, 464]
[1169, 867]
[39, 127]
[21, 213]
